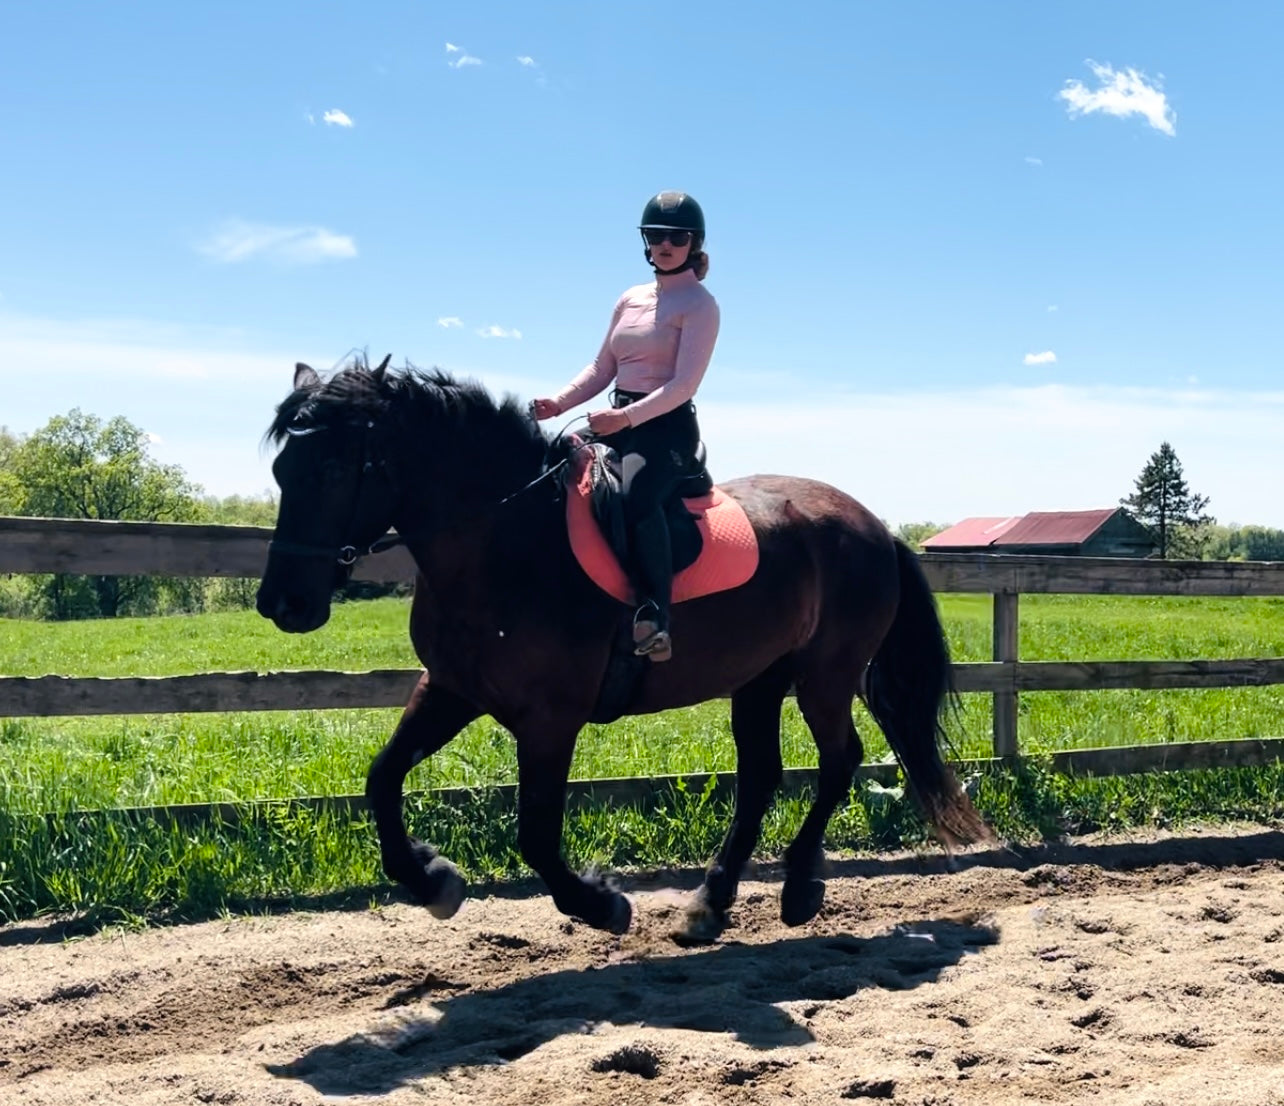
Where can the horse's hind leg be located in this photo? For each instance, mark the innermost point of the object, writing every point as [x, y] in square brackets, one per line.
[827, 709]
[431, 718]
[755, 725]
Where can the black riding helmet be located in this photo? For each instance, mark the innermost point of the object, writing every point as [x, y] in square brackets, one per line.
[673, 211]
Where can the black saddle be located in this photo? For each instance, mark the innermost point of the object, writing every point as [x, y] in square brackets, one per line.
[606, 497]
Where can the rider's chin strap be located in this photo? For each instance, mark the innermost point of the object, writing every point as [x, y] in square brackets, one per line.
[689, 263]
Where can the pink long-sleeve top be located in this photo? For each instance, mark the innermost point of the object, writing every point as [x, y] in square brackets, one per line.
[659, 342]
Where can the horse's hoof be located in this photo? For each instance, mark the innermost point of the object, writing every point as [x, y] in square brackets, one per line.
[702, 925]
[606, 908]
[621, 915]
[800, 902]
[446, 888]
[433, 880]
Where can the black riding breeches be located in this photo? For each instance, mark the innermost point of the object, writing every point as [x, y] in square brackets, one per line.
[654, 457]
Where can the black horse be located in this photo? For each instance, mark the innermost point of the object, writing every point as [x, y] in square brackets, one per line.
[508, 625]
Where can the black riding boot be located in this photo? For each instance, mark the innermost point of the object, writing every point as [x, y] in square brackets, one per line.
[653, 558]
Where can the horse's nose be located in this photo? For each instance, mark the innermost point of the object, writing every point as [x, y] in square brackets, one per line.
[294, 614]
[270, 603]
[281, 607]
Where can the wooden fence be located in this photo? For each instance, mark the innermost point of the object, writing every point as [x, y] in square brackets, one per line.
[174, 549]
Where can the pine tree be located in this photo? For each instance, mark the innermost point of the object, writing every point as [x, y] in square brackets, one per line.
[1164, 503]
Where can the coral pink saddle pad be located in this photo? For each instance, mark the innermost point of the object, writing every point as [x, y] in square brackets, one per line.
[728, 559]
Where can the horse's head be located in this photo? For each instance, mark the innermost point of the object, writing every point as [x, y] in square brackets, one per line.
[338, 492]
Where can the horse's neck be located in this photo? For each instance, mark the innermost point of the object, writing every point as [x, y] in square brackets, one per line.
[495, 515]
[486, 462]
[447, 560]
[489, 513]
[503, 568]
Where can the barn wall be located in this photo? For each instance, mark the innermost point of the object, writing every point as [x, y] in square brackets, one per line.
[1121, 536]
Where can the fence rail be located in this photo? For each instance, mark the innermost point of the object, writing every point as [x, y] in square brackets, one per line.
[178, 549]
[97, 548]
[94, 547]
[50, 696]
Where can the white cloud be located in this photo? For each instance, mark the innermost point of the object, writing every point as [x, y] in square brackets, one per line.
[155, 439]
[237, 240]
[312, 119]
[1034, 161]
[449, 321]
[1053, 307]
[1047, 357]
[499, 332]
[1121, 94]
[465, 58]
[337, 118]
[527, 61]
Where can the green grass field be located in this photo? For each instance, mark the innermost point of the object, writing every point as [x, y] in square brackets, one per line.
[121, 865]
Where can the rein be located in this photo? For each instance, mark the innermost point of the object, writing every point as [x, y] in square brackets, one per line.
[538, 480]
[548, 449]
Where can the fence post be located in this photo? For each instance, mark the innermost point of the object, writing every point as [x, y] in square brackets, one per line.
[1005, 649]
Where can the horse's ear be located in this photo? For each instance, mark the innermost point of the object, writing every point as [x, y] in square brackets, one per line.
[305, 377]
[383, 368]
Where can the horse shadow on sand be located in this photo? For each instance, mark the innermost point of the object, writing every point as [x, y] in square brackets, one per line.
[760, 994]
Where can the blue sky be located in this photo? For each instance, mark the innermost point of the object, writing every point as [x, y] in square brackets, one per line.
[972, 258]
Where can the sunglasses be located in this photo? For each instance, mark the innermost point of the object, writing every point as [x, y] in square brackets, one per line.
[655, 235]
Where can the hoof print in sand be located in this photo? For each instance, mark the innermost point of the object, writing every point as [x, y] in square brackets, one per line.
[630, 1060]
[870, 1088]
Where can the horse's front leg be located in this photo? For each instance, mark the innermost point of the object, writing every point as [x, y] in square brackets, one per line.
[543, 767]
[431, 718]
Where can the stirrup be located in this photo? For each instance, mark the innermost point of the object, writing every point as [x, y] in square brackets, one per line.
[658, 646]
[649, 640]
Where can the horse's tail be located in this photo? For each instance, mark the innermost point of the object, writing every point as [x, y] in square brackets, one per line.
[909, 690]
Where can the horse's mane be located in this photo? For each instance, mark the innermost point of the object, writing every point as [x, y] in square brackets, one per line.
[433, 400]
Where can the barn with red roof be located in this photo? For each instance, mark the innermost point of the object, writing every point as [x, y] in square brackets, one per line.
[1109, 532]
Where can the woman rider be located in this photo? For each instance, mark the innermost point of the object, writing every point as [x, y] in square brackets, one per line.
[656, 350]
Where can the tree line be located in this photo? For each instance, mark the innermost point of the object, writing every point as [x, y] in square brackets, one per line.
[80, 466]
